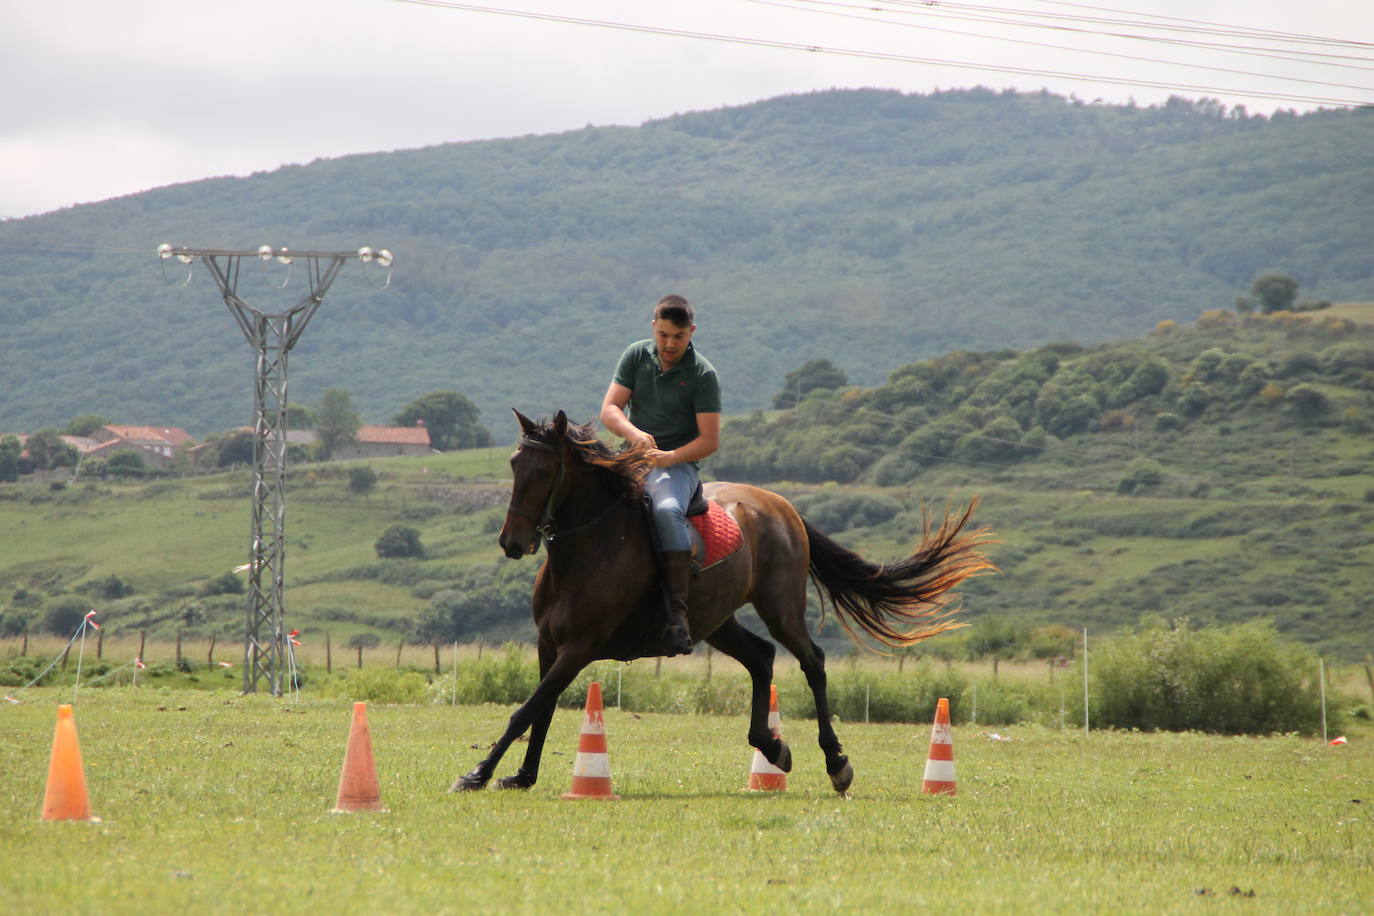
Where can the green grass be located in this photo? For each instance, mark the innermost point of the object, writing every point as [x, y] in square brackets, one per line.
[214, 802]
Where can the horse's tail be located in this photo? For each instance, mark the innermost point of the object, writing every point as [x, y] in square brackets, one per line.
[901, 603]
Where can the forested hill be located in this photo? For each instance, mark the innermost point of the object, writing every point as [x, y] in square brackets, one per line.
[868, 227]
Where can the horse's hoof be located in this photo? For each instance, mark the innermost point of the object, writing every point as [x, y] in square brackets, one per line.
[518, 781]
[843, 776]
[468, 783]
[784, 761]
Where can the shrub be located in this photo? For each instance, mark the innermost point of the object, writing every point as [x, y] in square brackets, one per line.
[1230, 680]
[63, 616]
[1308, 402]
[127, 459]
[1194, 399]
[226, 584]
[111, 588]
[399, 541]
[836, 512]
[377, 684]
[361, 479]
[15, 622]
[1141, 474]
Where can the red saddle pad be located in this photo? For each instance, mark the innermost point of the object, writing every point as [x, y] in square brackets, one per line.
[719, 531]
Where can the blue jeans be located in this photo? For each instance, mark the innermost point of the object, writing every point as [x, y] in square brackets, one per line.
[670, 489]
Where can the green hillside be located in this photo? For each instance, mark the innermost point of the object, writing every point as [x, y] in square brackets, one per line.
[1220, 471]
[868, 227]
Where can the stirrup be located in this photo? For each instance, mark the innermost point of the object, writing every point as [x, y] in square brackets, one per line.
[677, 640]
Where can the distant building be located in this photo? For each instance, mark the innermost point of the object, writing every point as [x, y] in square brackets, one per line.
[386, 441]
[157, 444]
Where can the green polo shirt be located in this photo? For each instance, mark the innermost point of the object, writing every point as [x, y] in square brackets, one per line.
[665, 404]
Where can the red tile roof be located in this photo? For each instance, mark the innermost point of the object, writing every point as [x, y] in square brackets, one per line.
[393, 435]
[172, 435]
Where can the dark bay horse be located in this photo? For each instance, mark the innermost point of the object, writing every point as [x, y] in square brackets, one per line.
[598, 594]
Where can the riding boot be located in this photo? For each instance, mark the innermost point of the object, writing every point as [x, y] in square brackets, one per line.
[677, 574]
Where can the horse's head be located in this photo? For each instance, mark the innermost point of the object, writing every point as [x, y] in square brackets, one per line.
[538, 473]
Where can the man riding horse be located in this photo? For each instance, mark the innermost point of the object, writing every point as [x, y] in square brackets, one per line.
[666, 396]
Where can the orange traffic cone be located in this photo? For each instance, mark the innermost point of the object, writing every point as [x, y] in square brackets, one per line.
[592, 768]
[65, 798]
[939, 779]
[358, 790]
[763, 776]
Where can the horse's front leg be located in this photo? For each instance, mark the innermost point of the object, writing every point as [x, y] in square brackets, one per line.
[538, 709]
[528, 774]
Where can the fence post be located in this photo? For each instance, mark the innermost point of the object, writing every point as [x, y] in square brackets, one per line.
[178, 647]
[142, 641]
[1321, 675]
[100, 644]
[1085, 682]
[436, 657]
[328, 655]
[210, 656]
[399, 643]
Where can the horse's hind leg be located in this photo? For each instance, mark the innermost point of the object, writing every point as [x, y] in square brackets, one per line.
[756, 655]
[812, 661]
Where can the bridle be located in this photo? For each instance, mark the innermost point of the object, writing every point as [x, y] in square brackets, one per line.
[544, 524]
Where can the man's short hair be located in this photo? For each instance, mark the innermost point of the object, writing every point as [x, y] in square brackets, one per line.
[676, 309]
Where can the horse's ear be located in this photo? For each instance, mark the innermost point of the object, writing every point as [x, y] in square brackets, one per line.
[528, 425]
[560, 424]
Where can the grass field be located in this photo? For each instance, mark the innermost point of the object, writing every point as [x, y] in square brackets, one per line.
[213, 802]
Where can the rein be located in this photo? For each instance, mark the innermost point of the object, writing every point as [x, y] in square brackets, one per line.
[544, 523]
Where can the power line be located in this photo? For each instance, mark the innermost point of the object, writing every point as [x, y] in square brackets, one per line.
[885, 56]
[792, 5]
[1288, 55]
[1214, 29]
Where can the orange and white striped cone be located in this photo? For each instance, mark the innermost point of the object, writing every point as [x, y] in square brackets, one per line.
[763, 776]
[939, 778]
[592, 768]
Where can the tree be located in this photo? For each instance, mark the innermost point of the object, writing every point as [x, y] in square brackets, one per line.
[63, 616]
[993, 636]
[9, 459]
[1308, 401]
[1274, 292]
[450, 418]
[816, 375]
[235, 448]
[361, 641]
[298, 416]
[84, 425]
[336, 421]
[127, 459]
[361, 479]
[47, 450]
[399, 541]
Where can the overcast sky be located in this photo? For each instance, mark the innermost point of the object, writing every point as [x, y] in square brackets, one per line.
[111, 98]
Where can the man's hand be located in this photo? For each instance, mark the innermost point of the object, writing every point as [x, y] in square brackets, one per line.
[661, 459]
[636, 437]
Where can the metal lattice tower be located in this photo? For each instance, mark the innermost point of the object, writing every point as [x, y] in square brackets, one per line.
[272, 336]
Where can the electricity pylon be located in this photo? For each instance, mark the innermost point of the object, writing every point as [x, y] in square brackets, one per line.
[272, 336]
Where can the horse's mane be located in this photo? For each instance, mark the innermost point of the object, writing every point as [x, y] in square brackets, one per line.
[625, 470]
